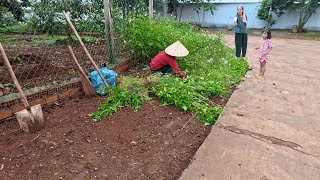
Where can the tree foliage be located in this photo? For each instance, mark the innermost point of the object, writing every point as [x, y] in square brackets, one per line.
[173, 6]
[265, 13]
[305, 8]
[49, 19]
[15, 7]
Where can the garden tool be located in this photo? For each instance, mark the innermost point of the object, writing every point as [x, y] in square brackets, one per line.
[84, 48]
[86, 84]
[31, 118]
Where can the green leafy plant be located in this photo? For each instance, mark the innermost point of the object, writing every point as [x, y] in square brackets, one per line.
[131, 92]
[211, 67]
[16, 58]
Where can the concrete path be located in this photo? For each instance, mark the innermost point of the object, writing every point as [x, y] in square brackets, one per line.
[270, 129]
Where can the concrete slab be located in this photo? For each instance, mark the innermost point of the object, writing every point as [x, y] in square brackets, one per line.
[229, 156]
[269, 129]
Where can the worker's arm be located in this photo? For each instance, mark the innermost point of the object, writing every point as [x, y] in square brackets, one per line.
[173, 64]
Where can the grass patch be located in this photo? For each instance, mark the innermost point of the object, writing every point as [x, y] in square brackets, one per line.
[10, 37]
[22, 27]
[310, 35]
[53, 39]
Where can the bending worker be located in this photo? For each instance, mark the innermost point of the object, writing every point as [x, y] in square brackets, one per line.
[165, 61]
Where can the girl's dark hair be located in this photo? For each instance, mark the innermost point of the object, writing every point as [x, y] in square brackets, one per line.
[268, 33]
[241, 8]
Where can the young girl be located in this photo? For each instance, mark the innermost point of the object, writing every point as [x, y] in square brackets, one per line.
[265, 48]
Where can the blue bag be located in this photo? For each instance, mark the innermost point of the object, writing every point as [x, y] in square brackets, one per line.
[109, 75]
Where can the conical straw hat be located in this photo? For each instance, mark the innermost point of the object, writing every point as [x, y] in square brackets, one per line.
[177, 49]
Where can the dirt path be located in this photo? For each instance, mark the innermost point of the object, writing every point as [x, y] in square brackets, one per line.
[269, 129]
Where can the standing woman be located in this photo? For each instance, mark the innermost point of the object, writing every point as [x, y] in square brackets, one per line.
[241, 35]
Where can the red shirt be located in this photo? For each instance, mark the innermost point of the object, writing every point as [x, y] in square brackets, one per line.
[162, 59]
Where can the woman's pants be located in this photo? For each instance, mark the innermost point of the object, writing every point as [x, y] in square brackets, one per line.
[241, 40]
[165, 69]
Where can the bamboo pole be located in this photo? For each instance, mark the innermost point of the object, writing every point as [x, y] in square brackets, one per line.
[85, 49]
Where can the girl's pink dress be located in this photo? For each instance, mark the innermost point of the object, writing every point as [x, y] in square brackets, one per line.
[266, 45]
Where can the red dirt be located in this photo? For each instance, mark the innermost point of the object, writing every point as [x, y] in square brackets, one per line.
[155, 142]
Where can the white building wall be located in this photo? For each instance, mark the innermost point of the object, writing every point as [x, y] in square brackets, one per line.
[225, 12]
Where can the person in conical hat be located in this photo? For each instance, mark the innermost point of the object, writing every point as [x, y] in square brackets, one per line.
[165, 61]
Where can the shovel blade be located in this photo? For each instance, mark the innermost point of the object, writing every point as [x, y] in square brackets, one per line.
[30, 121]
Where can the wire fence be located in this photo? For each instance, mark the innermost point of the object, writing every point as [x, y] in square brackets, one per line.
[35, 36]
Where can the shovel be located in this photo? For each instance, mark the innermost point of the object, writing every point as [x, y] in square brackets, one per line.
[31, 118]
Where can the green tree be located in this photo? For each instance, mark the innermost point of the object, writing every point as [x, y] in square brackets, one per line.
[47, 17]
[305, 8]
[15, 7]
[173, 6]
[265, 13]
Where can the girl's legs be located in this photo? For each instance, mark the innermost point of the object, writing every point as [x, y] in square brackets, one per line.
[238, 42]
[244, 44]
[258, 76]
[262, 68]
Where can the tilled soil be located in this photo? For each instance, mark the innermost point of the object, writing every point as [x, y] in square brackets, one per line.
[155, 142]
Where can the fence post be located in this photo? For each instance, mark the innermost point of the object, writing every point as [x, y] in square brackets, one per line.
[151, 9]
[109, 29]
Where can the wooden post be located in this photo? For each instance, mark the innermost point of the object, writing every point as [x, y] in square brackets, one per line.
[151, 9]
[109, 29]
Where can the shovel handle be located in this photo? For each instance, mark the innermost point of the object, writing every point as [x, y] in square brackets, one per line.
[84, 48]
[14, 78]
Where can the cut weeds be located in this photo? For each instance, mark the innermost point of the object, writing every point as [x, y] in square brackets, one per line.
[211, 68]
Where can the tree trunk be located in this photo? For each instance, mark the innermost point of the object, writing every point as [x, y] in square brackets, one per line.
[151, 9]
[203, 15]
[175, 9]
[304, 21]
[181, 12]
[165, 9]
[305, 16]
